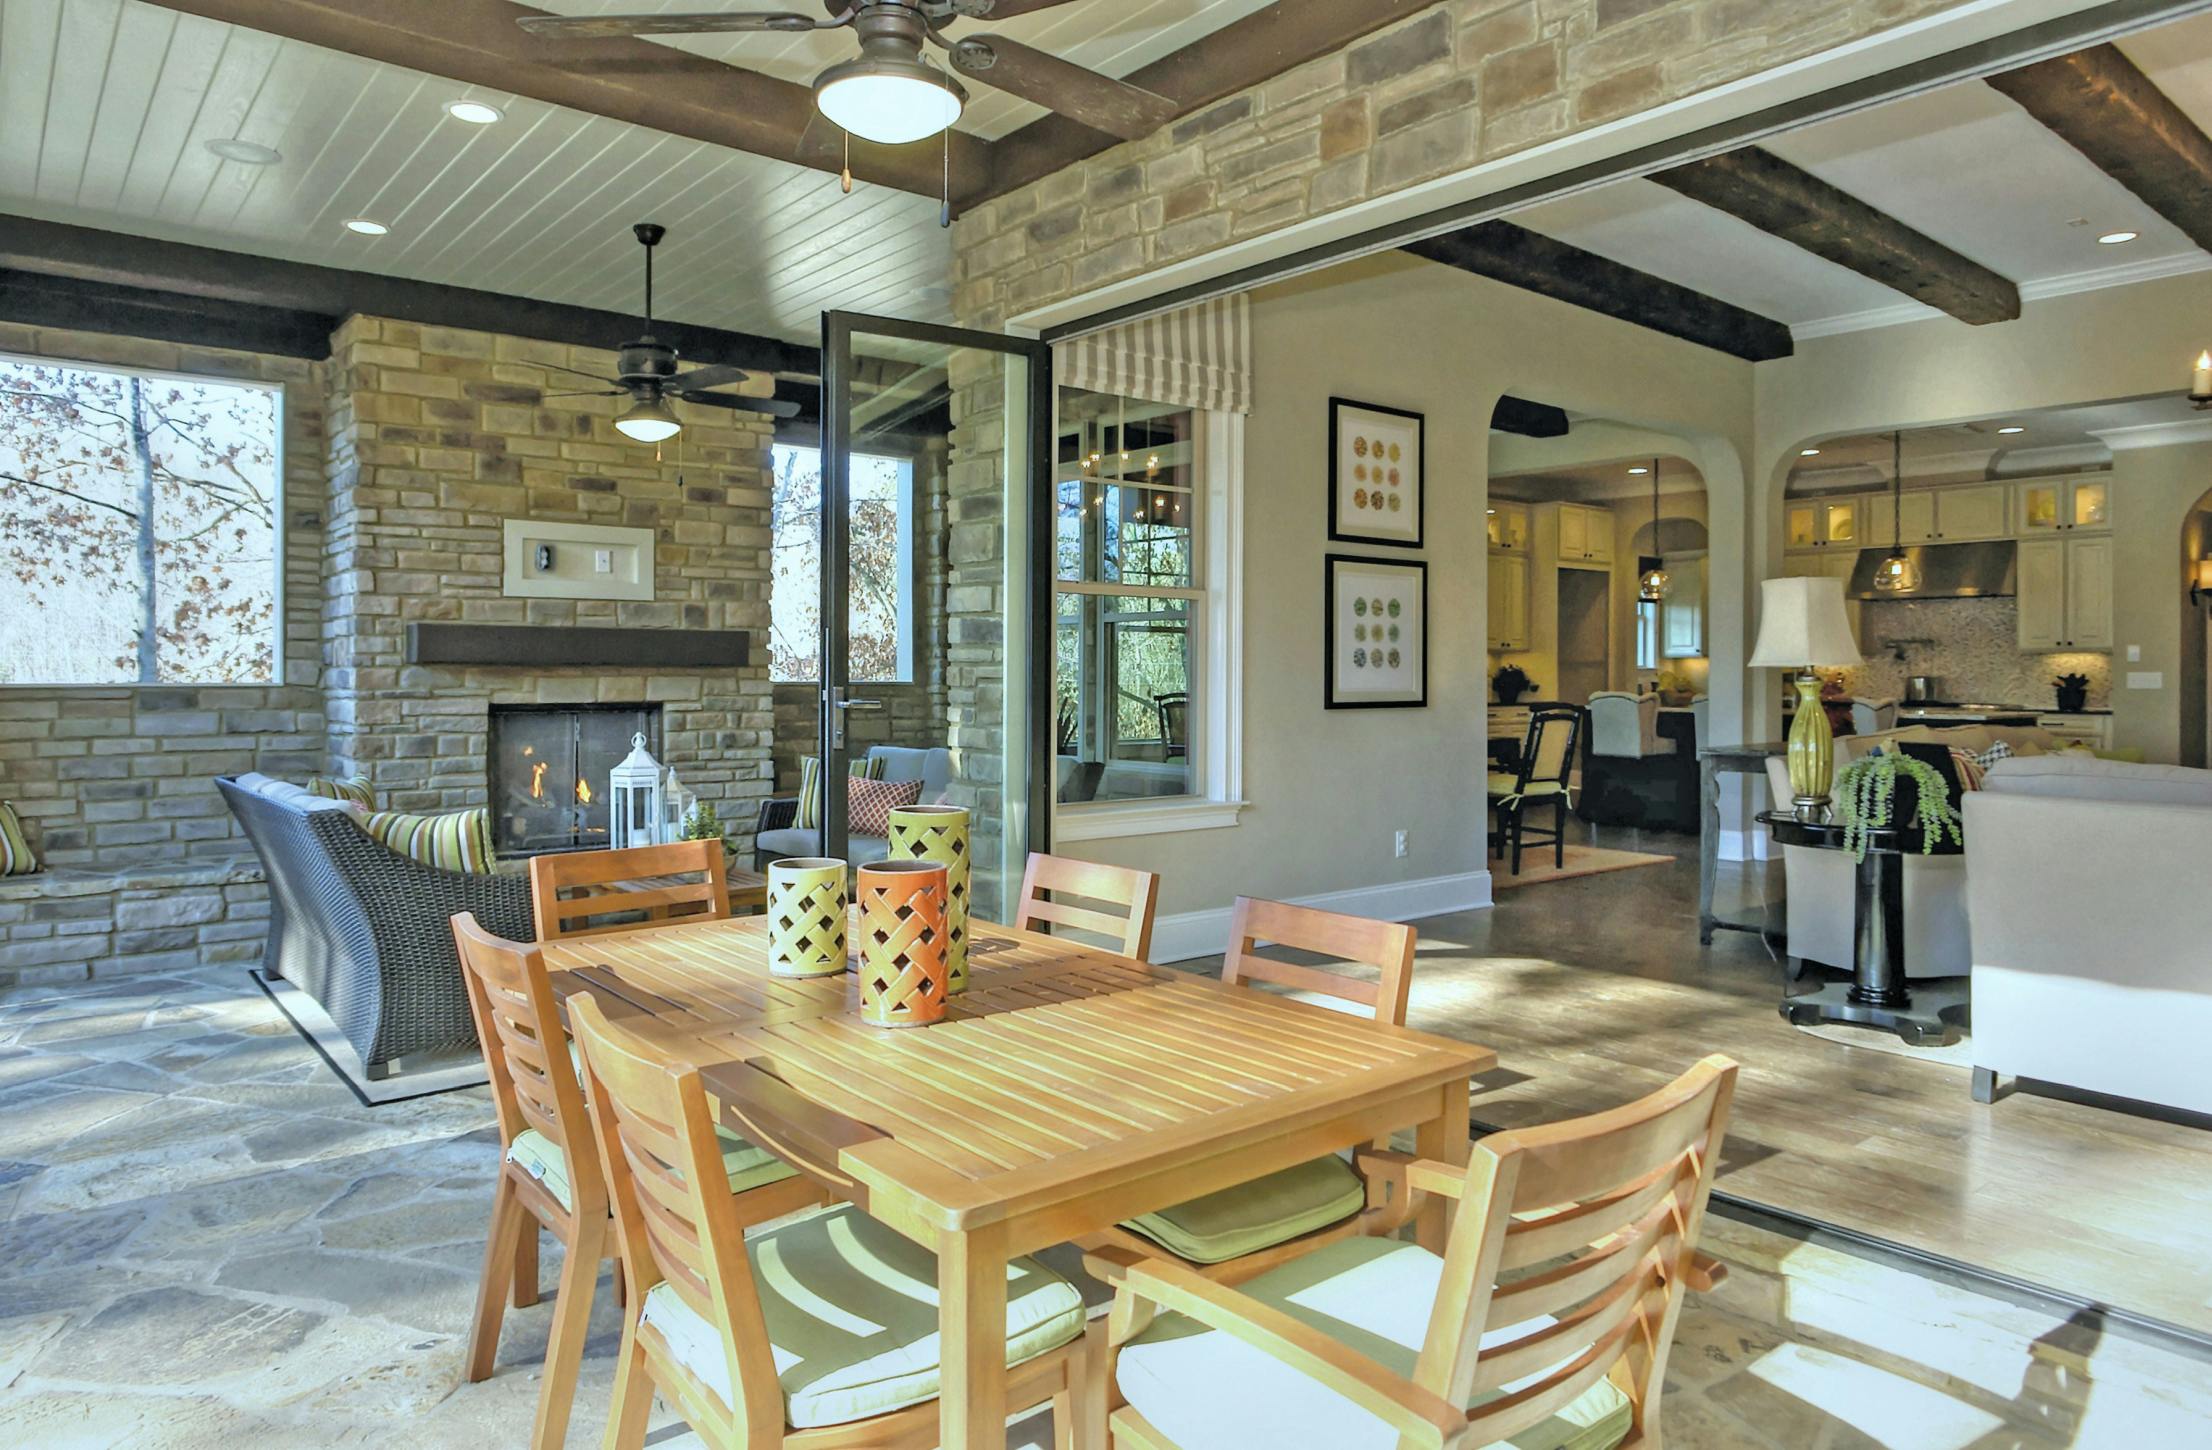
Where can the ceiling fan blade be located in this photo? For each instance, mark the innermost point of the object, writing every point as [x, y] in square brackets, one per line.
[578, 372]
[720, 375]
[1003, 9]
[1085, 96]
[773, 407]
[606, 393]
[601, 27]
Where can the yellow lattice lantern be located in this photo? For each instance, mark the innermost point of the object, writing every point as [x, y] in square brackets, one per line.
[806, 917]
[940, 834]
[904, 981]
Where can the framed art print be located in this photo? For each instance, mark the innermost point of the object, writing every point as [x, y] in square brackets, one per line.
[1377, 625]
[1377, 468]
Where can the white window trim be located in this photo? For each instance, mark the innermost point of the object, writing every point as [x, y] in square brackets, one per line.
[1220, 717]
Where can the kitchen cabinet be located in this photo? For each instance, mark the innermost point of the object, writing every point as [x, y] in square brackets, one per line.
[1509, 600]
[1823, 523]
[2094, 731]
[1585, 534]
[1963, 515]
[1682, 612]
[1916, 519]
[1509, 527]
[2062, 506]
[2065, 593]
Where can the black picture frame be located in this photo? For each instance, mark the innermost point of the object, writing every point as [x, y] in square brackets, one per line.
[1332, 698]
[1344, 524]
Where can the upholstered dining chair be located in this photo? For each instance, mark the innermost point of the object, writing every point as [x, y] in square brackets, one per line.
[549, 1171]
[1626, 726]
[1546, 774]
[1871, 717]
[1055, 890]
[588, 875]
[1240, 1231]
[1545, 1324]
[817, 1333]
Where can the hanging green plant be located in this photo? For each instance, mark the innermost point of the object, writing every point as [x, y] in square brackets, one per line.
[1867, 791]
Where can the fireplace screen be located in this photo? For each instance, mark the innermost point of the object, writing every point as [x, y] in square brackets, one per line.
[549, 770]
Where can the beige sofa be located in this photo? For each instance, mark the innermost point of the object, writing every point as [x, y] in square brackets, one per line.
[2092, 930]
[1822, 883]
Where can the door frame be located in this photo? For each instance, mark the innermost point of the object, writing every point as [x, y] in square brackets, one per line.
[1030, 510]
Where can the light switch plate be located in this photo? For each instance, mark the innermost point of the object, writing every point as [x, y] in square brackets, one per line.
[2135, 654]
[2146, 680]
[602, 561]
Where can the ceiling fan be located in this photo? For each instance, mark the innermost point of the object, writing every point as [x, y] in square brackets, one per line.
[647, 370]
[888, 93]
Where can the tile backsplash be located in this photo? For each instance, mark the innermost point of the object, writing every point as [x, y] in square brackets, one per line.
[1976, 653]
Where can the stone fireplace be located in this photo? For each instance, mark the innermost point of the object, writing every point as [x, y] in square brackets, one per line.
[548, 769]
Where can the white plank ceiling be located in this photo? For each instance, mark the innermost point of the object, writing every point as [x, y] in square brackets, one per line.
[1963, 164]
[106, 107]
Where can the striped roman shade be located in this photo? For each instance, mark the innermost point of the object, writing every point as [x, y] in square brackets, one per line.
[1197, 357]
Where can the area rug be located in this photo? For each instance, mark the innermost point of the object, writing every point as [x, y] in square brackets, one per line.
[1537, 867]
[1959, 1054]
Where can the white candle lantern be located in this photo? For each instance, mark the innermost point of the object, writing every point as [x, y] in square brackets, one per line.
[634, 800]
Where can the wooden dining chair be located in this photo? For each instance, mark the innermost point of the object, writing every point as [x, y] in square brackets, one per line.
[549, 1169]
[815, 1334]
[570, 892]
[1546, 1321]
[1055, 890]
[1243, 1230]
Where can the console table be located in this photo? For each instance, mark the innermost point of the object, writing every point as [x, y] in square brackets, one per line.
[1878, 994]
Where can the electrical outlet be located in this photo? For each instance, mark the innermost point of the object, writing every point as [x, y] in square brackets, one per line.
[1401, 845]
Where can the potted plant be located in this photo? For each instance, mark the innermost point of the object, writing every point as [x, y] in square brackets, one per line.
[1675, 690]
[2073, 693]
[702, 823]
[1867, 791]
[1510, 683]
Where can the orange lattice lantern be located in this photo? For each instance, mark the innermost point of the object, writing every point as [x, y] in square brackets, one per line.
[904, 973]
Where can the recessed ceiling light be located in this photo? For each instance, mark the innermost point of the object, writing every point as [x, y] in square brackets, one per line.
[366, 227]
[476, 113]
[2014, 428]
[2113, 239]
[245, 153]
[1808, 453]
[1639, 470]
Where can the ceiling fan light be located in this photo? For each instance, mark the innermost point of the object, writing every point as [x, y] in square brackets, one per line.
[651, 421]
[889, 101]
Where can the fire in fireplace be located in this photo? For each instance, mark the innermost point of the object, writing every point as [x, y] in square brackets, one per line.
[549, 769]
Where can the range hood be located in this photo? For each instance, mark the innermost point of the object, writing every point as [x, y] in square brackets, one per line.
[1947, 571]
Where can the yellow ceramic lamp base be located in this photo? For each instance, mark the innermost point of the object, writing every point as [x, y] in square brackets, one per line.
[1812, 748]
[806, 917]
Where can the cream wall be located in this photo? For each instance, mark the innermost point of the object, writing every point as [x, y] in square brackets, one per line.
[1328, 787]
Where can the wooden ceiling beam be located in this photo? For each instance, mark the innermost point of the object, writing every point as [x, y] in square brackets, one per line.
[1240, 55]
[1521, 258]
[32, 299]
[2101, 104]
[268, 285]
[477, 42]
[1756, 186]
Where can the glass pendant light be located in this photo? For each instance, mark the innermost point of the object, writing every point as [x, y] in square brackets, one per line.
[1655, 583]
[651, 421]
[1897, 574]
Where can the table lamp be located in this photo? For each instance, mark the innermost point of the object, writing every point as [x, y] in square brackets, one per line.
[1802, 626]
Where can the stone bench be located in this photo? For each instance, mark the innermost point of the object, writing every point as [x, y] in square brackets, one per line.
[77, 922]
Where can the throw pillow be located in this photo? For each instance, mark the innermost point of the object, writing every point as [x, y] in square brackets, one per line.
[1995, 753]
[456, 841]
[16, 858]
[354, 790]
[1969, 767]
[869, 803]
[810, 786]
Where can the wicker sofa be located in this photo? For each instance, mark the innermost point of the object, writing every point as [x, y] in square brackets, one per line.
[362, 929]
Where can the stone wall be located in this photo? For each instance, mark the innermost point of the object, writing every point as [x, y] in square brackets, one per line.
[1464, 82]
[437, 437]
[109, 775]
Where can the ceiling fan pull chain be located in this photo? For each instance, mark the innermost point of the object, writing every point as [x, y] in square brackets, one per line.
[944, 216]
[846, 176]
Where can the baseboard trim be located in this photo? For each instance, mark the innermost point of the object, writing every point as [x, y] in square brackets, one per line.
[1190, 934]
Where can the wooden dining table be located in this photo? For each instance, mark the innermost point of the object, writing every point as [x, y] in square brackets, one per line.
[1068, 1089]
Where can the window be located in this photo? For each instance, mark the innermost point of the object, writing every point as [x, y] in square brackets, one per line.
[1144, 560]
[881, 628]
[1647, 635]
[138, 527]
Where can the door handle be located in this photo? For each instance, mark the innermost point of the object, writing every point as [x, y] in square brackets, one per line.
[860, 704]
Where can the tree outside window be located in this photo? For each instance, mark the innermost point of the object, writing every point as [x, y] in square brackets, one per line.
[138, 527]
[881, 584]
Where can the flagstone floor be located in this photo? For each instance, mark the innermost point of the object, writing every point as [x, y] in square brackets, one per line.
[205, 1240]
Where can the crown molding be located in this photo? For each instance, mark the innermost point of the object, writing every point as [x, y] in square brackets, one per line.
[2156, 435]
[2127, 274]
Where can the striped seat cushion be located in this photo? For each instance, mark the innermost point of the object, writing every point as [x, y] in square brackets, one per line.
[540, 1157]
[1257, 1215]
[1204, 1389]
[354, 790]
[16, 857]
[851, 1310]
[810, 786]
[455, 841]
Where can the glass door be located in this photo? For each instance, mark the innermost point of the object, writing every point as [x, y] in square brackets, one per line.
[936, 586]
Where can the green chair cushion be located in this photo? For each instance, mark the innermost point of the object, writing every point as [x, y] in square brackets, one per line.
[542, 1158]
[851, 1310]
[1508, 785]
[1204, 1389]
[1257, 1215]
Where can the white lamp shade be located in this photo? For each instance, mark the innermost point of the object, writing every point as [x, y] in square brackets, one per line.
[888, 103]
[1802, 622]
